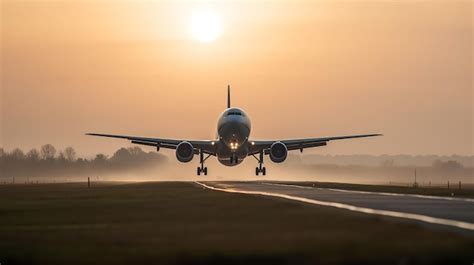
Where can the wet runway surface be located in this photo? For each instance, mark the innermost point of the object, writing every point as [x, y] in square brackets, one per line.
[456, 212]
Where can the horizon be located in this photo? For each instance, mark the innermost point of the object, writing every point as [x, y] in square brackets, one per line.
[170, 154]
[135, 164]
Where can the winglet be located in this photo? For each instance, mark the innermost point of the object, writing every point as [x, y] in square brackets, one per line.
[228, 96]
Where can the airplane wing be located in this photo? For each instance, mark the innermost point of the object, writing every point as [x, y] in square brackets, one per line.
[208, 147]
[300, 144]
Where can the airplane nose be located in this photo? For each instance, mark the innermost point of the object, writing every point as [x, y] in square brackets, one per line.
[234, 134]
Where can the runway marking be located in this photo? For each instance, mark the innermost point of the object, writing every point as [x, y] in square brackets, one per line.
[377, 193]
[411, 216]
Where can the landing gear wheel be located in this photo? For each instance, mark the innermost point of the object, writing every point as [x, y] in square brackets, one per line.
[202, 169]
[260, 168]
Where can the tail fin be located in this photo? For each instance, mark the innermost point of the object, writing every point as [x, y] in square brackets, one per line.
[228, 96]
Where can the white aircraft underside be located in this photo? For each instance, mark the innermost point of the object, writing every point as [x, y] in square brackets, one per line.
[233, 144]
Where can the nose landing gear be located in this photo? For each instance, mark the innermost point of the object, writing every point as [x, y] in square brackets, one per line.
[202, 168]
[234, 159]
[260, 168]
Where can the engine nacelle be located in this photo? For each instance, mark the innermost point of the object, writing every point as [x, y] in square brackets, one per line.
[184, 152]
[278, 152]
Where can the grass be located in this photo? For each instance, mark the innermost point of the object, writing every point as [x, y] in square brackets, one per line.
[179, 223]
[432, 191]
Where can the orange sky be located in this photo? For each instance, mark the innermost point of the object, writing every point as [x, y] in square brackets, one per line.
[299, 68]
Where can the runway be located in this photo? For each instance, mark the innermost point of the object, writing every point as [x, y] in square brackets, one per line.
[446, 211]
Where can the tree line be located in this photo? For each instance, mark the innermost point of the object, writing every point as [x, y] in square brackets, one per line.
[49, 161]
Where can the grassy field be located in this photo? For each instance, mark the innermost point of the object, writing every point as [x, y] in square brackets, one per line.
[180, 223]
[467, 192]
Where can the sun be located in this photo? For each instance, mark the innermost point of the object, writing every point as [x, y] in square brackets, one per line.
[205, 25]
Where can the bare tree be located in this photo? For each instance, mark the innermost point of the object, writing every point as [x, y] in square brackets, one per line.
[61, 156]
[48, 152]
[17, 154]
[135, 150]
[70, 154]
[100, 158]
[33, 155]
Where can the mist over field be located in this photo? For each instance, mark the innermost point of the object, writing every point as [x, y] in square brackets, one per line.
[136, 164]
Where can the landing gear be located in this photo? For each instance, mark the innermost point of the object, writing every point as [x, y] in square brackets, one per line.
[260, 168]
[234, 159]
[202, 168]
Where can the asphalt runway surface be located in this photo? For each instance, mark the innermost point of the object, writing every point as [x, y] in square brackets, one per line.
[453, 212]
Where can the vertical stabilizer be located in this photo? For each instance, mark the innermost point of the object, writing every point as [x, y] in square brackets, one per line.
[228, 96]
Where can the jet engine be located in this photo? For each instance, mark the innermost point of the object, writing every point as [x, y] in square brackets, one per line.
[278, 152]
[184, 152]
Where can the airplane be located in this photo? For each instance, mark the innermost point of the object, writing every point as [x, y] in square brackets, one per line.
[232, 144]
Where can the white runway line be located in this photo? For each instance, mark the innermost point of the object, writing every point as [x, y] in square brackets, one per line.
[411, 216]
[377, 193]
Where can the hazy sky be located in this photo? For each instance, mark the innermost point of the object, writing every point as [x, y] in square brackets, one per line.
[299, 69]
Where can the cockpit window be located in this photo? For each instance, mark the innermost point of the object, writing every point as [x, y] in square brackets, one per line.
[235, 113]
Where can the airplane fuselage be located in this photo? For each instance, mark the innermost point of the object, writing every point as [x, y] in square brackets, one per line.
[233, 131]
